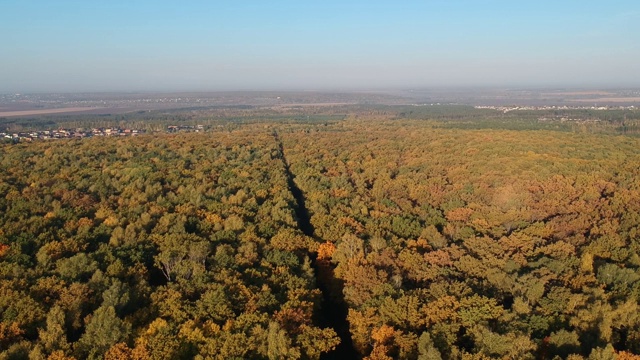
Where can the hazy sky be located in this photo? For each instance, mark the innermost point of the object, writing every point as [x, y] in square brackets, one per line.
[99, 45]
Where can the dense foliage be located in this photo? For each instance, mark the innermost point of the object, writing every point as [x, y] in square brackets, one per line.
[477, 244]
[441, 242]
[154, 248]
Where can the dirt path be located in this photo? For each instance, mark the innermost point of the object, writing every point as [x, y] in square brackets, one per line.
[333, 312]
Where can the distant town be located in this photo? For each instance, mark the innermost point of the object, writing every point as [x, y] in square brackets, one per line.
[506, 109]
[80, 133]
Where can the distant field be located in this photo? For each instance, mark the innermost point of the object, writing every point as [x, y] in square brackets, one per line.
[316, 104]
[44, 111]
[610, 99]
[579, 93]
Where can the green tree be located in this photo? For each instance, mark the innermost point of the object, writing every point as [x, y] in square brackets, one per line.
[103, 330]
[54, 336]
[426, 348]
[279, 344]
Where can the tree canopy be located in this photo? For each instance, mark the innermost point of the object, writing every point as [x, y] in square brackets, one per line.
[437, 242]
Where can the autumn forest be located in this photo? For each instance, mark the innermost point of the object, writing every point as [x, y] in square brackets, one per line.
[383, 233]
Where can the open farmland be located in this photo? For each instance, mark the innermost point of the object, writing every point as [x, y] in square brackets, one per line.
[46, 111]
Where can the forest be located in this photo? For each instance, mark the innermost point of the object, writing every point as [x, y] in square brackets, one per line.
[381, 233]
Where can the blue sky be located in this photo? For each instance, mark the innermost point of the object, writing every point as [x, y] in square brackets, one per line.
[186, 45]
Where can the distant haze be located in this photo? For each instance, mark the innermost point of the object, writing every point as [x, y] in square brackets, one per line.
[68, 46]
